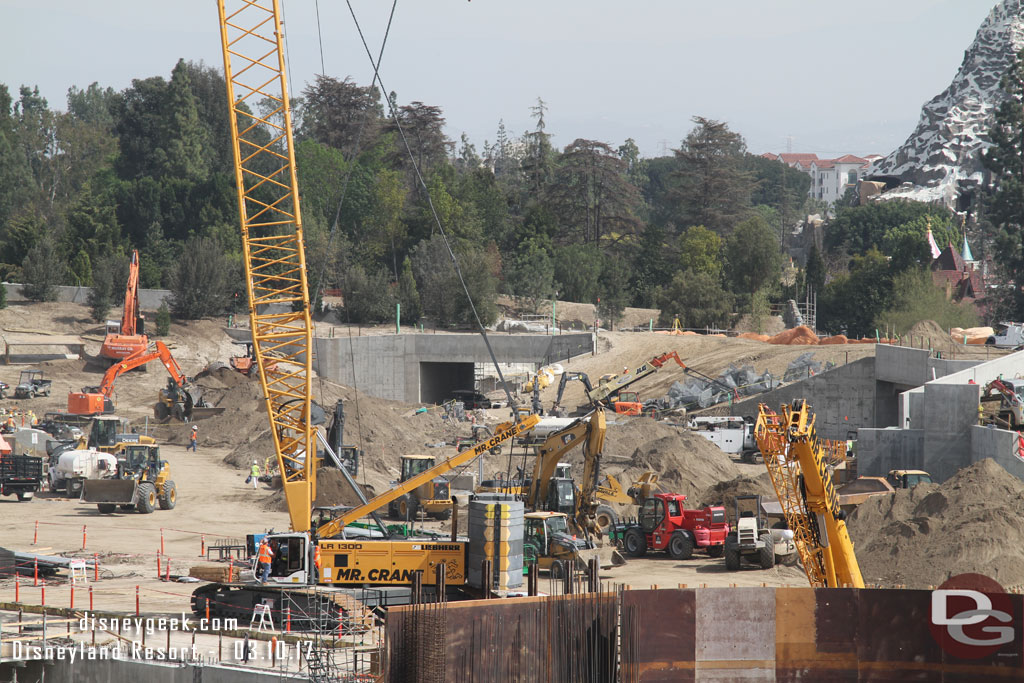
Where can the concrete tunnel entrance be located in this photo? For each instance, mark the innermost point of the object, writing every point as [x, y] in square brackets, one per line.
[439, 380]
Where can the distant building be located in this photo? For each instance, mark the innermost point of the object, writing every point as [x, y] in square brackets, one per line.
[958, 277]
[830, 178]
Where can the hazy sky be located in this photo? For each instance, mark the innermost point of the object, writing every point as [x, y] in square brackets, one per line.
[836, 77]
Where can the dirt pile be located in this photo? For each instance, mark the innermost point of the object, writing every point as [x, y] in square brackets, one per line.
[685, 462]
[725, 492]
[922, 536]
[384, 429]
[927, 333]
[331, 489]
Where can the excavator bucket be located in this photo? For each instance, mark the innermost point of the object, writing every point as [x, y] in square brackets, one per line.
[115, 491]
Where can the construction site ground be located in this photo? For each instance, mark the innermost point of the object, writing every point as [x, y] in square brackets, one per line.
[216, 505]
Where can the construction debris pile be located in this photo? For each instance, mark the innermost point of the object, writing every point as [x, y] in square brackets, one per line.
[734, 383]
[919, 537]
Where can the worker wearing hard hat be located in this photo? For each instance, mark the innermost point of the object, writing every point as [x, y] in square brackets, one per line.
[193, 439]
[254, 475]
[263, 559]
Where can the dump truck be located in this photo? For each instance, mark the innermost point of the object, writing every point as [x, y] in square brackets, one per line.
[142, 482]
[20, 475]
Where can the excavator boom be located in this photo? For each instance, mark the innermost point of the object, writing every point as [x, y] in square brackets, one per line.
[130, 315]
[94, 399]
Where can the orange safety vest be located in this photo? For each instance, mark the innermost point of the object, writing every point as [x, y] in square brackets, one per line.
[316, 556]
[266, 554]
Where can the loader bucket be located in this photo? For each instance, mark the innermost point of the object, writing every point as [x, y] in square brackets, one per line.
[607, 557]
[116, 491]
[203, 413]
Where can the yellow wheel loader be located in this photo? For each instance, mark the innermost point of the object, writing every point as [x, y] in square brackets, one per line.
[141, 483]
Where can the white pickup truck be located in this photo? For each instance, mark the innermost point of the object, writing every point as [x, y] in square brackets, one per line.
[1008, 336]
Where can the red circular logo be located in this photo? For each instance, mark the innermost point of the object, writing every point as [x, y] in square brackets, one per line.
[971, 616]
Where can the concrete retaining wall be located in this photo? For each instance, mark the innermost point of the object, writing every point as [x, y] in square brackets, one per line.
[881, 450]
[149, 299]
[843, 398]
[388, 366]
[999, 444]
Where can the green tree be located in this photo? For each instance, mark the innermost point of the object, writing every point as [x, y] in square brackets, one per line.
[530, 273]
[369, 298]
[163, 320]
[712, 188]
[101, 294]
[851, 303]
[753, 255]
[653, 265]
[203, 282]
[907, 244]
[578, 272]
[42, 271]
[408, 294]
[1005, 201]
[613, 290]
[336, 111]
[815, 271]
[697, 299]
[441, 294]
[700, 251]
[591, 196]
[858, 229]
[916, 298]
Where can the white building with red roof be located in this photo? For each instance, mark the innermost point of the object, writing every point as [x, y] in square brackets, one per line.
[830, 178]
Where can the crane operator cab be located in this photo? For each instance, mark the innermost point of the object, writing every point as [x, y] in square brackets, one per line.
[291, 561]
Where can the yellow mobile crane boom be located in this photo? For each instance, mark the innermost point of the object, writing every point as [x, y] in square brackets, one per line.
[796, 460]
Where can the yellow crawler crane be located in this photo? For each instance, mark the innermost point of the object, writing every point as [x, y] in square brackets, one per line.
[796, 460]
[272, 247]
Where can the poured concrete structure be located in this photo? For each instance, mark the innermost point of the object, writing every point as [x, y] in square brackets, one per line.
[908, 409]
[426, 368]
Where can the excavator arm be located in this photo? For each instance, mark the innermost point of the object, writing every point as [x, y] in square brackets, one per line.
[80, 403]
[568, 377]
[586, 502]
[550, 453]
[129, 318]
[334, 527]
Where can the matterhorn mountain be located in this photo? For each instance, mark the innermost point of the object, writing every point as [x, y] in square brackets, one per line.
[942, 157]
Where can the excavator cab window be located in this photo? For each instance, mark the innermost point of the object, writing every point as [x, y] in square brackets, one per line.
[103, 433]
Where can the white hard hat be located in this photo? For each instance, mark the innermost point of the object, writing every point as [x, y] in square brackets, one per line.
[194, 427]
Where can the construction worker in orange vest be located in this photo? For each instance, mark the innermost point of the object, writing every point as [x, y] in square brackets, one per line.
[263, 560]
[316, 561]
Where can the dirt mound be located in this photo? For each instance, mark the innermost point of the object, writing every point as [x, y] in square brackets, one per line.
[725, 492]
[331, 489]
[922, 536]
[685, 462]
[927, 333]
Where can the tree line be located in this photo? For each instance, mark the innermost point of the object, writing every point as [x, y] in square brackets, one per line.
[699, 233]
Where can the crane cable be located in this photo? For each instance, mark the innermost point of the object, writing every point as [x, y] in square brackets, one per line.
[433, 211]
[356, 148]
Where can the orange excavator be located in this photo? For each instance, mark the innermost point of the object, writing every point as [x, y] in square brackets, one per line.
[180, 398]
[127, 338]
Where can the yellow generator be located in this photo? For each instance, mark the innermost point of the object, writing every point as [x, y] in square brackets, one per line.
[433, 498]
[142, 482]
